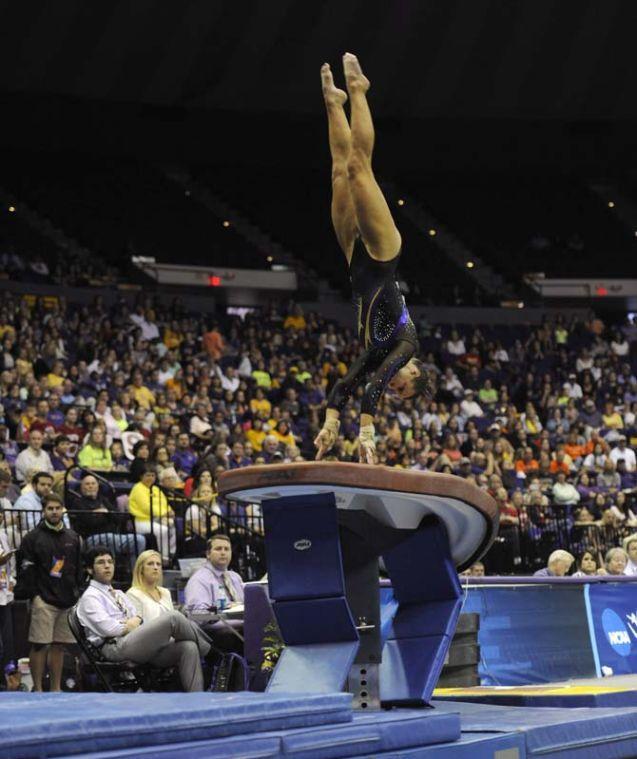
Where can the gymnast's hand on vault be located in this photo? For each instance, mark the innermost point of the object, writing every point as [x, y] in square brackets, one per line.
[326, 437]
[367, 444]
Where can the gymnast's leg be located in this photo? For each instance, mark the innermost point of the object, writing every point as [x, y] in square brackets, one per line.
[343, 215]
[373, 217]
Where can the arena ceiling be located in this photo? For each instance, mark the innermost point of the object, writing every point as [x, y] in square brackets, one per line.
[531, 59]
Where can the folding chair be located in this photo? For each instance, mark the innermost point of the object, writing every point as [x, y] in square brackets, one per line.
[117, 677]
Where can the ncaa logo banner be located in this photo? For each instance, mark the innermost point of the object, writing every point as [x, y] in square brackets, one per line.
[612, 619]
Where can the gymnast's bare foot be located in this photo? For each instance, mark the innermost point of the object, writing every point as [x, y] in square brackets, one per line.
[354, 77]
[331, 93]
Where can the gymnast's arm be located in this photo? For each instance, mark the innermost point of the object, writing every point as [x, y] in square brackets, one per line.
[338, 397]
[395, 360]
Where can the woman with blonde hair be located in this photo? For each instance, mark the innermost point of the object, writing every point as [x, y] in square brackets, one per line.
[147, 594]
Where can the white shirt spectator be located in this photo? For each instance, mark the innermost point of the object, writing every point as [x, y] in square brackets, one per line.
[147, 607]
[573, 389]
[627, 454]
[199, 426]
[29, 459]
[620, 348]
[470, 407]
[456, 347]
[565, 494]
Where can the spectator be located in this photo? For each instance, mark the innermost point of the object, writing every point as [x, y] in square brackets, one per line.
[184, 458]
[153, 516]
[586, 565]
[7, 584]
[214, 584]
[141, 457]
[112, 623]
[615, 561]
[33, 458]
[61, 455]
[32, 501]
[630, 547]
[149, 598]
[50, 574]
[96, 454]
[200, 426]
[99, 523]
[564, 493]
[558, 565]
[625, 454]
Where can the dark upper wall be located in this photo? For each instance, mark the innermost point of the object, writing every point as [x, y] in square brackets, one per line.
[564, 59]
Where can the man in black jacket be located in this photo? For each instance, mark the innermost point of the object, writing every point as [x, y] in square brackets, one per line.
[50, 575]
[101, 525]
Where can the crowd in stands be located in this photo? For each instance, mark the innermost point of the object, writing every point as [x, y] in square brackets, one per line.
[126, 416]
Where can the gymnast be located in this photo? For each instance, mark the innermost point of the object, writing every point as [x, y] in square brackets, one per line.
[366, 232]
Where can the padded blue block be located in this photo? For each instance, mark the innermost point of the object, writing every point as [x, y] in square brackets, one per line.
[319, 668]
[377, 732]
[470, 746]
[582, 733]
[67, 724]
[316, 620]
[302, 547]
[411, 667]
[421, 568]
[430, 618]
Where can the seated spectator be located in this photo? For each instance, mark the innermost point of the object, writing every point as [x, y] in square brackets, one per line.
[99, 523]
[95, 454]
[469, 407]
[558, 565]
[611, 417]
[615, 561]
[184, 458]
[118, 457]
[200, 426]
[237, 457]
[625, 454]
[587, 565]
[31, 502]
[61, 456]
[608, 480]
[113, 624]
[214, 585]
[271, 450]
[141, 457]
[153, 516]
[33, 458]
[527, 463]
[629, 544]
[564, 493]
[146, 592]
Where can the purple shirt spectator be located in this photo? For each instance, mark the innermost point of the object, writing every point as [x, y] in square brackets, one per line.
[206, 587]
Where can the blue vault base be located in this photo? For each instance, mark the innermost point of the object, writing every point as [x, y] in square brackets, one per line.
[233, 725]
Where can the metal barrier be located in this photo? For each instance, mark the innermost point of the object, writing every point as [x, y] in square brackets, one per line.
[524, 548]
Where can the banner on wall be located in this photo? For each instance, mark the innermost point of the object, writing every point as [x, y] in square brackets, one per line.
[612, 621]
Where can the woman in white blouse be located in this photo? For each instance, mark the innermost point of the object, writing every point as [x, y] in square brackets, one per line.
[146, 593]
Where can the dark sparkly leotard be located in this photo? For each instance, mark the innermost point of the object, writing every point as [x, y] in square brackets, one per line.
[385, 330]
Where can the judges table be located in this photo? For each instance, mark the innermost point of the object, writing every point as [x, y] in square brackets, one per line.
[326, 527]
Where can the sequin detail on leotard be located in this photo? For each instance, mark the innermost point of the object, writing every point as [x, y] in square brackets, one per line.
[385, 330]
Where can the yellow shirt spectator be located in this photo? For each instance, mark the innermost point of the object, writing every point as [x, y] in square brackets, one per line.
[139, 502]
[261, 406]
[95, 457]
[256, 437]
[295, 321]
[143, 396]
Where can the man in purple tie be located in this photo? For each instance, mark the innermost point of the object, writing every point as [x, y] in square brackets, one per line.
[214, 587]
[113, 625]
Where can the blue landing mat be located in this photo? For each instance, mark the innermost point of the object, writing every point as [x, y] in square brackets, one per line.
[564, 733]
[470, 746]
[379, 732]
[625, 698]
[72, 723]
